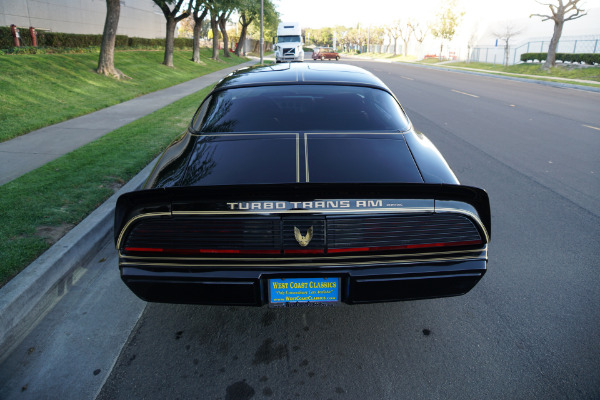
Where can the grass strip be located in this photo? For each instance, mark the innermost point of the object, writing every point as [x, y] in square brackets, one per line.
[560, 71]
[41, 206]
[43, 89]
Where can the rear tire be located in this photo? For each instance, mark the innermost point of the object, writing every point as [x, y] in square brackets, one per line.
[337, 58]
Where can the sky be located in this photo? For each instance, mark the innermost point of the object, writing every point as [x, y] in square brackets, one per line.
[482, 15]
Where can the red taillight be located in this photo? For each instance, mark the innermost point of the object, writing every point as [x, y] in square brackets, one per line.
[197, 251]
[297, 251]
[304, 251]
[405, 247]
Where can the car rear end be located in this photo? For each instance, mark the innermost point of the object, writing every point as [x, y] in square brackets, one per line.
[287, 245]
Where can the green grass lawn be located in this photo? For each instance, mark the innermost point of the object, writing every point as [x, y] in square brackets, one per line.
[560, 71]
[39, 207]
[44, 89]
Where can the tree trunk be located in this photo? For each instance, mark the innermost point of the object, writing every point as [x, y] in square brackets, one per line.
[441, 48]
[395, 45]
[551, 58]
[106, 61]
[214, 25]
[197, 29]
[169, 41]
[196, 45]
[223, 26]
[239, 49]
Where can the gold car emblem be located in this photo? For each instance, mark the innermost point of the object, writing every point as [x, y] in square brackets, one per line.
[303, 240]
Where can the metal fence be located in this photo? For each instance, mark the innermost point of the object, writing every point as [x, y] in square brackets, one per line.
[496, 55]
[372, 48]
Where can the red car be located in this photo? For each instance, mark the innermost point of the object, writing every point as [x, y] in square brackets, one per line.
[325, 53]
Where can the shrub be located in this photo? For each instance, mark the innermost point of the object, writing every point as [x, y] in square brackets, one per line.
[58, 42]
[588, 58]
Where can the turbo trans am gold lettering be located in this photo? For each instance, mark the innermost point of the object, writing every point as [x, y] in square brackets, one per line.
[304, 205]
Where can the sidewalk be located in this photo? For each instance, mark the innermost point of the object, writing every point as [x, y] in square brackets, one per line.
[38, 288]
[28, 152]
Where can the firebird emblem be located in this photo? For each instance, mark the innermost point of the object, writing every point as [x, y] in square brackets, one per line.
[303, 240]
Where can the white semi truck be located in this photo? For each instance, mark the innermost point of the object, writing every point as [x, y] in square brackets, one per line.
[288, 44]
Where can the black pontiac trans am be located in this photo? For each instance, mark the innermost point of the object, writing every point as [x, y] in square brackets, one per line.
[301, 184]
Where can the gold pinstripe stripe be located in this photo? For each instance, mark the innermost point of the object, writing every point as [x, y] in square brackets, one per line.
[330, 264]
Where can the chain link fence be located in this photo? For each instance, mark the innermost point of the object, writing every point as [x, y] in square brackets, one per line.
[496, 54]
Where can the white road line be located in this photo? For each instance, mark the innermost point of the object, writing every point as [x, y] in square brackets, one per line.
[407, 78]
[591, 127]
[466, 94]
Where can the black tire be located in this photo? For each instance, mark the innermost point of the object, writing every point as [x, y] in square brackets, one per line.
[337, 58]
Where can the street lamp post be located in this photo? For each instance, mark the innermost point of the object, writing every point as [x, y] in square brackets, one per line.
[262, 37]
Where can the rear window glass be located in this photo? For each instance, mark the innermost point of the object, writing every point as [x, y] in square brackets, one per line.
[301, 108]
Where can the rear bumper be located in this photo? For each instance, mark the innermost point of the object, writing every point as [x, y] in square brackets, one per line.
[248, 287]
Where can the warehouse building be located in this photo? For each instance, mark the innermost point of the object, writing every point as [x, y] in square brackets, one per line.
[139, 18]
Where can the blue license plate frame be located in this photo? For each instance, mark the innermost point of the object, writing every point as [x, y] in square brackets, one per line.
[309, 291]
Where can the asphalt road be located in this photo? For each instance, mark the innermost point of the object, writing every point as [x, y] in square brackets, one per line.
[528, 330]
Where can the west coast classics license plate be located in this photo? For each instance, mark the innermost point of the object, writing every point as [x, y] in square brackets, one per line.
[304, 291]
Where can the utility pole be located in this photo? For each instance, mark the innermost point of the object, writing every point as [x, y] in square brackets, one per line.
[262, 36]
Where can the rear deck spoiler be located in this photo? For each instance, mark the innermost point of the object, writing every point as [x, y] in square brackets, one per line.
[161, 200]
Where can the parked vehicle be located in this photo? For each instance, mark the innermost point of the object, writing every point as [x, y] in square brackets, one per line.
[325, 53]
[301, 185]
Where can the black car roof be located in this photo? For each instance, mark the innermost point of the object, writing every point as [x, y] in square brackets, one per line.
[300, 73]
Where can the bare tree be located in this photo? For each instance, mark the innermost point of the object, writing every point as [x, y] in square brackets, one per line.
[420, 32]
[561, 13]
[394, 33]
[505, 34]
[106, 61]
[172, 20]
[405, 34]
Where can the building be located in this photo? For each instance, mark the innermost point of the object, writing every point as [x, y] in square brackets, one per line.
[139, 18]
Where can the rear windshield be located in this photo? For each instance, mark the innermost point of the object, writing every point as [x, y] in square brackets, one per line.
[300, 108]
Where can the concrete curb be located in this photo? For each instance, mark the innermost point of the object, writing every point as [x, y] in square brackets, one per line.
[26, 298]
[35, 290]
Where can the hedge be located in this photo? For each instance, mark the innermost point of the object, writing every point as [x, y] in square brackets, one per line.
[588, 58]
[58, 42]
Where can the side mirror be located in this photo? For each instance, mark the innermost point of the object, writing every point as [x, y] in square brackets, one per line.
[273, 39]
